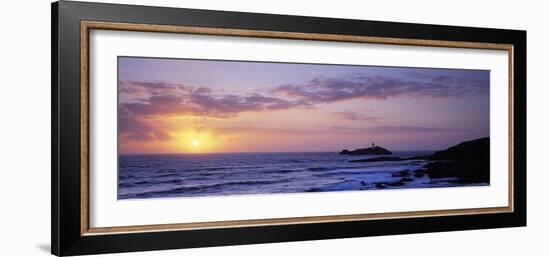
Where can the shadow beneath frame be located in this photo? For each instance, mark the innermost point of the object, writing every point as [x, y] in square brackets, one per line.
[44, 247]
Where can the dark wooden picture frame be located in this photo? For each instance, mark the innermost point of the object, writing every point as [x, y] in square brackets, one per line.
[71, 23]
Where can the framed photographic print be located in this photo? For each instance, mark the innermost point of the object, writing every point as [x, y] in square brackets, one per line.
[178, 128]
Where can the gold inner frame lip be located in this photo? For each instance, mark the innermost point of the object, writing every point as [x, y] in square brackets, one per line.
[86, 26]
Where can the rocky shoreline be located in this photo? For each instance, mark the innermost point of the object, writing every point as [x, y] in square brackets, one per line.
[465, 163]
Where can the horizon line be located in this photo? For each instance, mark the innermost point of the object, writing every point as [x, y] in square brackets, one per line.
[259, 152]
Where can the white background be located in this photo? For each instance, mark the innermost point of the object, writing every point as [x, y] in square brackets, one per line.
[106, 211]
[25, 134]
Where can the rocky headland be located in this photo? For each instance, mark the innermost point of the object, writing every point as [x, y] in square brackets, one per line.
[467, 162]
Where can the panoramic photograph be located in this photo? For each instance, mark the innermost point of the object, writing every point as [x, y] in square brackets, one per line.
[191, 127]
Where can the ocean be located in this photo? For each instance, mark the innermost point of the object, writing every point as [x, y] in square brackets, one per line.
[190, 175]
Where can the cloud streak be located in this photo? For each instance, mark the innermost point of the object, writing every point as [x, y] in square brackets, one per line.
[393, 130]
[336, 130]
[355, 116]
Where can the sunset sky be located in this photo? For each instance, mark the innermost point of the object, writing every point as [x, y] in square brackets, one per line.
[204, 106]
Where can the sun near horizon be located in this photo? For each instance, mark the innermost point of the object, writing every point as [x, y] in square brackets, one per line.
[194, 142]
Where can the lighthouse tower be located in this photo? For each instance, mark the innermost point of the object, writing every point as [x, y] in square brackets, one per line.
[372, 144]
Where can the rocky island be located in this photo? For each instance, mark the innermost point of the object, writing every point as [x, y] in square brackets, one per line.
[374, 150]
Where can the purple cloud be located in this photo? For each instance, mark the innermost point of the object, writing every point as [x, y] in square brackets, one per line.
[211, 104]
[328, 90]
[134, 129]
[140, 98]
[137, 91]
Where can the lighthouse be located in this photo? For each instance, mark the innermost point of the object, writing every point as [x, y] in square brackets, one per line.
[372, 144]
